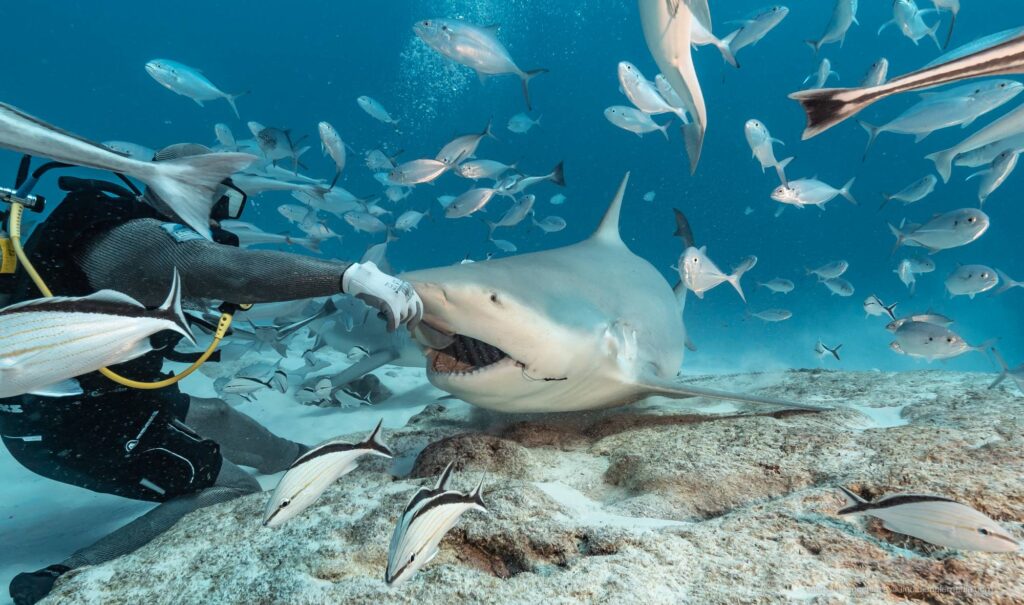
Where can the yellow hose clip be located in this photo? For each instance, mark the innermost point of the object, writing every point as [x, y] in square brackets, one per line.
[223, 324]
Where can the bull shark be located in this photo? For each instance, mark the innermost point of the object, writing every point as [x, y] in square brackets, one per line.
[582, 327]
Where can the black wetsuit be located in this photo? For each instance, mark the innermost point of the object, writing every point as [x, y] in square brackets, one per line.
[114, 439]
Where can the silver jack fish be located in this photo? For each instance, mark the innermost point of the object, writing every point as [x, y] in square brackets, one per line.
[426, 519]
[45, 343]
[934, 519]
[844, 14]
[475, 47]
[315, 471]
[932, 341]
[188, 185]
[829, 106]
[944, 231]
[188, 82]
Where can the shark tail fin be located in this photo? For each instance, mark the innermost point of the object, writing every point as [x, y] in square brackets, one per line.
[693, 138]
[558, 174]
[652, 385]
[825, 108]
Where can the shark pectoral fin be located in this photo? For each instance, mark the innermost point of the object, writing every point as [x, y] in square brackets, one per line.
[654, 385]
[362, 367]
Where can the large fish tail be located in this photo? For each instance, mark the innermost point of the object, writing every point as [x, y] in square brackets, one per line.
[825, 107]
[846, 193]
[526, 77]
[780, 169]
[873, 132]
[557, 175]
[943, 162]
[171, 309]
[188, 185]
[231, 101]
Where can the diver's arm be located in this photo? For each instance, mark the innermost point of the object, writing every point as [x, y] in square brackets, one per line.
[139, 258]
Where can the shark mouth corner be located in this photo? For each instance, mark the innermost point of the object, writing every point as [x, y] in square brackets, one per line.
[464, 355]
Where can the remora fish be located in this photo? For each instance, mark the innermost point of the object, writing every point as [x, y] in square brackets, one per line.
[829, 106]
[944, 231]
[844, 14]
[188, 185]
[315, 471]
[934, 519]
[761, 146]
[188, 82]
[914, 192]
[478, 48]
[666, 27]
[549, 331]
[430, 514]
[45, 343]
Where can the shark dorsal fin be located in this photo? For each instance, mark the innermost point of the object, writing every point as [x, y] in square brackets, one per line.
[608, 230]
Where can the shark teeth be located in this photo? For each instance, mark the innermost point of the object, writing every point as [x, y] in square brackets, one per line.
[465, 355]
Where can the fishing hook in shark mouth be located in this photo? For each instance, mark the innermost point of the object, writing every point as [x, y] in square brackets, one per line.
[465, 355]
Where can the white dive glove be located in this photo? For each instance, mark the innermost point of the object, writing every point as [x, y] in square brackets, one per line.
[396, 300]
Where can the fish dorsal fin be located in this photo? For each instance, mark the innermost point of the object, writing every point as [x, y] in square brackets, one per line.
[608, 230]
[446, 475]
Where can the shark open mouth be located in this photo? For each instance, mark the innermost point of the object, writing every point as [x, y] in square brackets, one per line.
[465, 355]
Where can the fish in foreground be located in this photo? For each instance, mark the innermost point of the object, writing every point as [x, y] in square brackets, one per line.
[478, 48]
[822, 74]
[844, 14]
[934, 519]
[914, 192]
[959, 106]
[188, 185]
[829, 106]
[874, 306]
[430, 514]
[991, 179]
[551, 332]
[822, 350]
[1009, 125]
[700, 273]
[905, 272]
[969, 280]
[375, 110]
[188, 82]
[761, 142]
[634, 120]
[1014, 374]
[315, 471]
[830, 270]
[778, 285]
[772, 315]
[45, 343]
[932, 341]
[522, 123]
[333, 146]
[944, 231]
[754, 28]
[667, 30]
[808, 192]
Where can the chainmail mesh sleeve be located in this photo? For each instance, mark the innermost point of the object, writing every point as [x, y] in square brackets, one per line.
[139, 257]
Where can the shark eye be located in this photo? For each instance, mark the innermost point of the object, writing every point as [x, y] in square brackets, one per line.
[494, 298]
[983, 531]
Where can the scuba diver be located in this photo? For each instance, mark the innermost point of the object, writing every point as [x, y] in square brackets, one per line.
[162, 445]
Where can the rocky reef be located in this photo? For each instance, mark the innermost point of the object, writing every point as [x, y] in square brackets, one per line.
[660, 502]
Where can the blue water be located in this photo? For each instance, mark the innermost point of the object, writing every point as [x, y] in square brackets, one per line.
[80, 65]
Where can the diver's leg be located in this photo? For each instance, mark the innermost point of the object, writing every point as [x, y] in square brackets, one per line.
[232, 482]
[242, 440]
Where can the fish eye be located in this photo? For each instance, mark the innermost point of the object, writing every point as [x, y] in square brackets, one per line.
[984, 275]
[285, 503]
[971, 219]
[949, 339]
